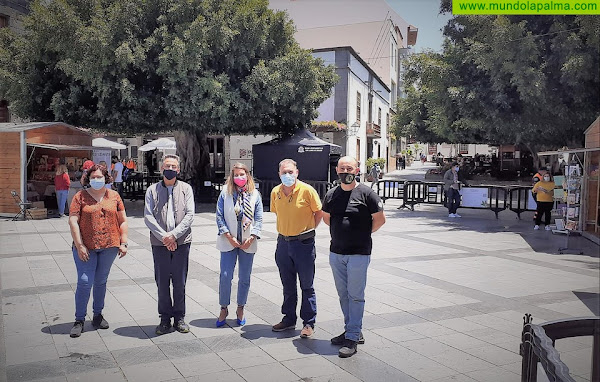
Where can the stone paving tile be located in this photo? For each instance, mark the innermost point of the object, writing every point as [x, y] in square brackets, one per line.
[112, 375]
[275, 371]
[179, 349]
[311, 367]
[246, 357]
[287, 350]
[200, 365]
[139, 355]
[157, 371]
[221, 376]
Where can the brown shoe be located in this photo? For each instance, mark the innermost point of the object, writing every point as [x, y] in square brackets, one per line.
[280, 327]
[307, 331]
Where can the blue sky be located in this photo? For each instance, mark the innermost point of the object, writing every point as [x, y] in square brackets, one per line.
[424, 14]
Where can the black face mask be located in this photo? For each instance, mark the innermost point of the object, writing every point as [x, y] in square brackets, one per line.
[169, 174]
[346, 178]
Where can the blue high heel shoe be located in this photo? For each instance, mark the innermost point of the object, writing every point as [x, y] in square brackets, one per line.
[222, 323]
[241, 322]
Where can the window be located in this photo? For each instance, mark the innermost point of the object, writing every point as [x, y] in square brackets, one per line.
[134, 151]
[394, 93]
[463, 149]
[358, 149]
[3, 21]
[387, 120]
[393, 54]
[3, 111]
[379, 117]
[358, 104]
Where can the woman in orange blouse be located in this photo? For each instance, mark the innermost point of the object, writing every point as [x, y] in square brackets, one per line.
[99, 230]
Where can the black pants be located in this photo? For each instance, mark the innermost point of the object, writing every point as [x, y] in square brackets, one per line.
[171, 266]
[452, 200]
[543, 208]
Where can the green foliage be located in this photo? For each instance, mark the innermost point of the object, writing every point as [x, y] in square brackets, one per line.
[209, 66]
[531, 80]
[328, 126]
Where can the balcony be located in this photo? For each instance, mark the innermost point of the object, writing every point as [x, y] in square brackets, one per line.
[373, 130]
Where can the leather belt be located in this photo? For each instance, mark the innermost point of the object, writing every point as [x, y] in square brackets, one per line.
[304, 235]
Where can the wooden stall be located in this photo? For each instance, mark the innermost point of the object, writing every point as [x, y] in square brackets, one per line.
[30, 153]
[592, 172]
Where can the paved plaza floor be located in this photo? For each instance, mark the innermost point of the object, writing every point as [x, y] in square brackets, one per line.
[444, 302]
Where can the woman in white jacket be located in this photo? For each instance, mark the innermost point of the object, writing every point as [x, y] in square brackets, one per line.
[239, 219]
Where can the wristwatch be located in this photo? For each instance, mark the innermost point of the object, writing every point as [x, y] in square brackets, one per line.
[125, 244]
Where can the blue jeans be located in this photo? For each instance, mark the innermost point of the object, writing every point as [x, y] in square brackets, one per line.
[350, 276]
[296, 258]
[228, 260]
[61, 200]
[171, 266]
[453, 200]
[92, 272]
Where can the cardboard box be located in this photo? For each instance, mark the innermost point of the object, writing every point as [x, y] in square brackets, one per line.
[38, 213]
[38, 204]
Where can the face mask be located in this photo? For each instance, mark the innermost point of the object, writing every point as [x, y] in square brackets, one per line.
[457, 168]
[240, 181]
[546, 178]
[288, 180]
[97, 183]
[169, 174]
[346, 178]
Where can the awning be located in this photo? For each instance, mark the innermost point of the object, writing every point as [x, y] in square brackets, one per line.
[65, 147]
[568, 151]
[102, 142]
[160, 143]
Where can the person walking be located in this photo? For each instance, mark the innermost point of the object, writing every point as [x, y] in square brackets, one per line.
[298, 209]
[62, 183]
[451, 187]
[353, 212]
[169, 213]
[117, 174]
[544, 190]
[239, 220]
[99, 229]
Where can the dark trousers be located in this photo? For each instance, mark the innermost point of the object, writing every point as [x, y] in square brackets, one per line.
[296, 258]
[452, 200]
[171, 266]
[543, 208]
[119, 187]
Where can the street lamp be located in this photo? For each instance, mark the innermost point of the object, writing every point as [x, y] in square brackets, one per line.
[353, 129]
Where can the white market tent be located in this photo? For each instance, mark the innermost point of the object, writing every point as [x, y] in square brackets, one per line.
[160, 143]
[102, 142]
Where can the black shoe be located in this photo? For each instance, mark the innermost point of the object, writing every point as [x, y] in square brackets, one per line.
[348, 350]
[163, 328]
[77, 329]
[339, 340]
[99, 322]
[181, 326]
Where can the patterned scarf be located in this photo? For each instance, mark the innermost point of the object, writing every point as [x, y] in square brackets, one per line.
[243, 200]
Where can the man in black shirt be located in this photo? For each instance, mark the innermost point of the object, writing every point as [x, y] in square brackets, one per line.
[352, 211]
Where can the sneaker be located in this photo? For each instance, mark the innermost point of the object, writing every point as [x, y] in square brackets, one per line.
[77, 329]
[307, 331]
[181, 326]
[451, 215]
[536, 227]
[280, 327]
[99, 322]
[348, 350]
[163, 328]
[548, 228]
[457, 216]
[339, 340]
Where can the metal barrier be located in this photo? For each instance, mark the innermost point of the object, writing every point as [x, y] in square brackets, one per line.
[389, 189]
[518, 200]
[538, 345]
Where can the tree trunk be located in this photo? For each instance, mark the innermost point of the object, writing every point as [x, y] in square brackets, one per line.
[192, 148]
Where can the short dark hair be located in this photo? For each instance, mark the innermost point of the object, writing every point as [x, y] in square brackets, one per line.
[455, 163]
[85, 179]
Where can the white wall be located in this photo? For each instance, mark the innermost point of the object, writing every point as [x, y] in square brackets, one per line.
[241, 148]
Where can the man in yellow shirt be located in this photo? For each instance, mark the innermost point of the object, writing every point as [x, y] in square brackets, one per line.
[298, 209]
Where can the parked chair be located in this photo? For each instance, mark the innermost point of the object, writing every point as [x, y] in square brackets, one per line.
[24, 206]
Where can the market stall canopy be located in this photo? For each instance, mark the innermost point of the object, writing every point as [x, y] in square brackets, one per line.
[313, 155]
[103, 142]
[160, 143]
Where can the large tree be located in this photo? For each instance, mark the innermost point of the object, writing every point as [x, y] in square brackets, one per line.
[191, 67]
[530, 80]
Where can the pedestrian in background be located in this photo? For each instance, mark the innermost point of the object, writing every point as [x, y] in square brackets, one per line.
[544, 190]
[451, 187]
[298, 209]
[99, 229]
[117, 174]
[169, 213]
[353, 212]
[62, 182]
[239, 220]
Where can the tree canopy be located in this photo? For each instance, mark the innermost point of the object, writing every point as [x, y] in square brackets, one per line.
[196, 66]
[531, 80]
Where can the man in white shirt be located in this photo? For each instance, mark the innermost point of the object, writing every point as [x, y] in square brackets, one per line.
[117, 174]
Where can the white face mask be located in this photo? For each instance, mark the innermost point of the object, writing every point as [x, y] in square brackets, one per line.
[546, 179]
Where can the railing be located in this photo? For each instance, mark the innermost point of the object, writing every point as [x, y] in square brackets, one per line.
[373, 130]
[538, 345]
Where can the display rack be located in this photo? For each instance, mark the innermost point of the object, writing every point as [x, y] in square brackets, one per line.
[571, 214]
